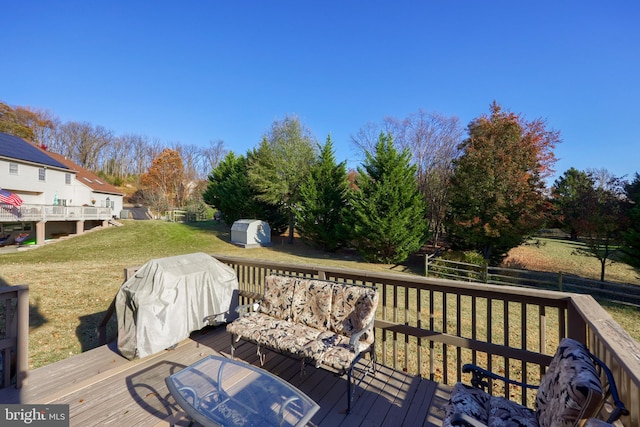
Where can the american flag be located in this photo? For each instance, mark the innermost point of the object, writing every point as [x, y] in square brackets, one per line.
[10, 198]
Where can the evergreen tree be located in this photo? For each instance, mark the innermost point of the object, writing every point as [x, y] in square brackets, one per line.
[497, 194]
[631, 237]
[229, 192]
[388, 209]
[566, 196]
[320, 216]
[281, 164]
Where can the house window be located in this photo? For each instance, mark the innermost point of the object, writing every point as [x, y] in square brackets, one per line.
[13, 168]
[67, 178]
[42, 174]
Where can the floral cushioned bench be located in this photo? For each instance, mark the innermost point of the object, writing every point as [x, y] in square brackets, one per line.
[323, 323]
[569, 394]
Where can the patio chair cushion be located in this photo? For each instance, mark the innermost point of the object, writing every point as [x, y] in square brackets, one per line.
[487, 409]
[311, 304]
[570, 389]
[352, 309]
[278, 297]
[322, 322]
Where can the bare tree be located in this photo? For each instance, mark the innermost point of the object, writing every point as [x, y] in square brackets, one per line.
[191, 156]
[367, 137]
[433, 140]
[43, 123]
[605, 180]
[116, 158]
[212, 156]
[83, 143]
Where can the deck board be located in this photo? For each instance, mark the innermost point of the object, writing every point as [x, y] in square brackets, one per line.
[102, 388]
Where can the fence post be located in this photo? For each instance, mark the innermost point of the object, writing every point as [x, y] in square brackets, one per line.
[560, 281]
[426, 265]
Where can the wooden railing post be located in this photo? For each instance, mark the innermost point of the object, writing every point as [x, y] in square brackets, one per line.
[560, 281]
[22, 341]
[576, 326]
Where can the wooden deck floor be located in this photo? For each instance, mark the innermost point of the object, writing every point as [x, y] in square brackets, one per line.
[102, 388]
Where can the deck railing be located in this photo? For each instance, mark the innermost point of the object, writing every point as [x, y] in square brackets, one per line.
[14, 335]
[431, 327]
[25, 212]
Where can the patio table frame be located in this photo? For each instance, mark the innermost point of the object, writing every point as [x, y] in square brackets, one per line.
[217, 391]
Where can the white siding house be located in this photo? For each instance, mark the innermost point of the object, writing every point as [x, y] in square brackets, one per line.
[31, 174]
[58, 196]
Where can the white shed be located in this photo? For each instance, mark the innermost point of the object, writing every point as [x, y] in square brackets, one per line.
[250, 233]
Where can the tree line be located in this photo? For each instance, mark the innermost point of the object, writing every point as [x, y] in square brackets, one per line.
[422, 177]
[118, 158]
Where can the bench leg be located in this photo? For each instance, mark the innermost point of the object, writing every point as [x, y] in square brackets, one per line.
[233, 347]
[349, 396]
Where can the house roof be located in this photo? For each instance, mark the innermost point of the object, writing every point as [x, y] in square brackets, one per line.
[85, 177]
[13, 147]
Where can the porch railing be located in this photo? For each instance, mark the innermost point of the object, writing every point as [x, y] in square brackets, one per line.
[9, 213]
[14, 335]
[431, 327]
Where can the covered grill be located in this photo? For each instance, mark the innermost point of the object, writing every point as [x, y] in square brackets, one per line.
[168, 298]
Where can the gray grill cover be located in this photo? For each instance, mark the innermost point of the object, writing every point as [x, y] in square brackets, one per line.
[169, 298]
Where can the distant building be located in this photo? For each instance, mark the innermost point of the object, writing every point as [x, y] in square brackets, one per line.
[59, 197]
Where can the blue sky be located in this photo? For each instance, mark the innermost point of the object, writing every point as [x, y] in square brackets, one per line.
[206, 70]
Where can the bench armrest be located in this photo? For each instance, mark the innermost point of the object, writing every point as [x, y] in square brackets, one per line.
[480, 375]
[246, 308]
[355, 338]
[211, 319]
[612, 391]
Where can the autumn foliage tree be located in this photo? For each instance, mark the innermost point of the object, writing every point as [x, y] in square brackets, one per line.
[163, 183]
[497, 194]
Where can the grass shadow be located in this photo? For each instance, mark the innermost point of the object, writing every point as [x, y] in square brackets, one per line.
[87, 330]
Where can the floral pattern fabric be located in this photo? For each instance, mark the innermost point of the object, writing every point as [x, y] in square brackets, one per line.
[570, 391]
[311, 319]
[311, 303]
[278, 296]
[352, 309]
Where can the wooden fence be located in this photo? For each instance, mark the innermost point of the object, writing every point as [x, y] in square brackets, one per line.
[607, 291]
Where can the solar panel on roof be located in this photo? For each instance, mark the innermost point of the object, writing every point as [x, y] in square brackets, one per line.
[17, 148]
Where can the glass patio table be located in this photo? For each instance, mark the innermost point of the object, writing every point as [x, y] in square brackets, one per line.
[217, 391]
